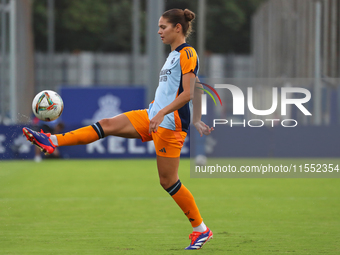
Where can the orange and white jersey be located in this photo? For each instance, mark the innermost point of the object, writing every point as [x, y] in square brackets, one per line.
[181, 61]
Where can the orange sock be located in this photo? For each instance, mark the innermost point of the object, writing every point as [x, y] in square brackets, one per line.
[83, 135]
[186, 202]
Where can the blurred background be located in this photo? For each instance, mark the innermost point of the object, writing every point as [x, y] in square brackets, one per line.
[103, 57]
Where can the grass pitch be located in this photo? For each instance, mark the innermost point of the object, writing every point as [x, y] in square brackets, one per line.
[118, 207]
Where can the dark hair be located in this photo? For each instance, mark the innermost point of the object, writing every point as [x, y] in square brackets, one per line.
[179, 16]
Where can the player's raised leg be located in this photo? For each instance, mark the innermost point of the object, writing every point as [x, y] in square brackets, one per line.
[119, 125]
[168, 175]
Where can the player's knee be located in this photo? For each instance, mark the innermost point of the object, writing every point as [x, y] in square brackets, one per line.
[104, 123]
[166, 182]
[109, 127]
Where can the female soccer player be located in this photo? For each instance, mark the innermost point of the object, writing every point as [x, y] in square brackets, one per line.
[166, 122]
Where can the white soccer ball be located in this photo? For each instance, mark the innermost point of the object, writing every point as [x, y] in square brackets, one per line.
[47, 105]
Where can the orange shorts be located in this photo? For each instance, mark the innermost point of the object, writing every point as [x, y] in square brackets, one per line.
[168, 143]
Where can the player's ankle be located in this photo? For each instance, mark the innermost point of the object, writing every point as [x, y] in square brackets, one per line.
[201, 228]
[54, 140]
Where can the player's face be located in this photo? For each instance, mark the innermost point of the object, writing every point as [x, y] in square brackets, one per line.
[167, 32]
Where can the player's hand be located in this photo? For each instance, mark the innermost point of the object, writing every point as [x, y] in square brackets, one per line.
[155, 122]
[202, 128]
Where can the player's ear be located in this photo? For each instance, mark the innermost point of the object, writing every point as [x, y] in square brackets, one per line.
[178, 27]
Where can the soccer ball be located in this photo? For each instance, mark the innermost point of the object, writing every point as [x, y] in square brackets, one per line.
[47, 105]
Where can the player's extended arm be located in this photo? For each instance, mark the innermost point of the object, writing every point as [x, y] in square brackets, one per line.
[201, 127]
[197, 100]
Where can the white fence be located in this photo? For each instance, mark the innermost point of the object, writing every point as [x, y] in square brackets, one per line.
[109, 69]
[100, 69]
